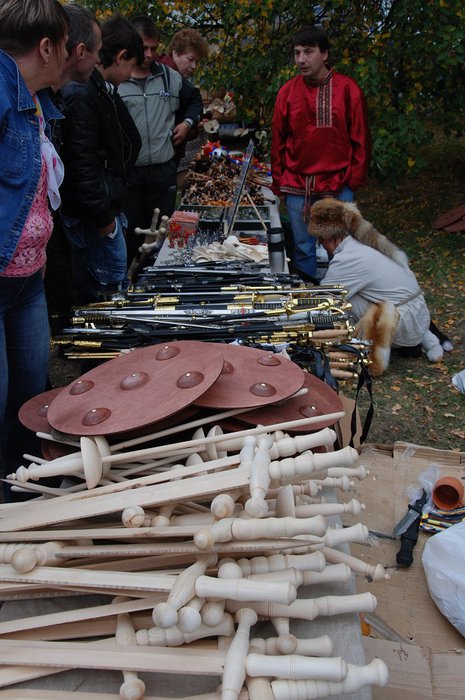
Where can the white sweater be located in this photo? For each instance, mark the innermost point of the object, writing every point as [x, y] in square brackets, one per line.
[370, 276]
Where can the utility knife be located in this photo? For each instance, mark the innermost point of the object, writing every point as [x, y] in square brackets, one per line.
[407, 529]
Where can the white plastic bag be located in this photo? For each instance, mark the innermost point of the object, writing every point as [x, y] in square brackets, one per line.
[444, 564]
[458, 380]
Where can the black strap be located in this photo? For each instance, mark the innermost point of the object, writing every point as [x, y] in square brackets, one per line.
[315, 361]
[165, 76]
[364, 379]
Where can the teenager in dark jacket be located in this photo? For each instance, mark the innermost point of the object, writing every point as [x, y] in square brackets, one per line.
[100, 146]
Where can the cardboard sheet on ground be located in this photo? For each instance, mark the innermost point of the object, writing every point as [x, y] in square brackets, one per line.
[423, 651]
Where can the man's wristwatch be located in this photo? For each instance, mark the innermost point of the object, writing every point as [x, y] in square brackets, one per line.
[189, 121]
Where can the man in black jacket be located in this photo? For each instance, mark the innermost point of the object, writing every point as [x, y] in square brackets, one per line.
[83, 46]
[100, 145]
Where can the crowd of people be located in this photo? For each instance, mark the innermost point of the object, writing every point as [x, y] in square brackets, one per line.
[93, 126]
[83, 161]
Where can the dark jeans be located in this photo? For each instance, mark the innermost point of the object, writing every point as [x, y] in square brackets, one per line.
[99, 263]
[149, 187]
[58, 278]
[24, 356]
[304, 253]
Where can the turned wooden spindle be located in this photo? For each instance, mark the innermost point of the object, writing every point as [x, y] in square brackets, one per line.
[133, 687]
[311, 608]
[235, 661]
[201, 450]
[307, 463]
[213, 450]
[173, 636]
[135, 516]
[189, 617]
[355, 533]
[329, 574]
[224, 505]
[229, 568]
[316, 646]
[284, 505]
[278, 562]
[335, 537]
[294, 667]
[287, 447]
[303, 500]
[332, 573]
[375, 572]
[374, 673]
[256, 506]
[353, 507]
[166, 614]
[286, 642]
[359, 472]
[26, 557]
[212, 613]
[247, 529]
[88, 464]
[247, 451]
[259, 687]
[343, 483]
[308, 487]
[245, 590]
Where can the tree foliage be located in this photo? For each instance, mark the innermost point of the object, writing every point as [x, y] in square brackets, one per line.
[407, 55]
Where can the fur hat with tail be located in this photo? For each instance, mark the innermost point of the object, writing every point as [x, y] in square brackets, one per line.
[330, 218]
[379, 324]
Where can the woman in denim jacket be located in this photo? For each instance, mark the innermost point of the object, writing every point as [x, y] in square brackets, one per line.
[33, 35]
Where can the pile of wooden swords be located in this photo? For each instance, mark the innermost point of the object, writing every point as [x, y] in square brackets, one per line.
[191, 542]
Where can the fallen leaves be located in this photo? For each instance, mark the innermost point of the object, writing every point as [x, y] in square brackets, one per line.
[414, 400]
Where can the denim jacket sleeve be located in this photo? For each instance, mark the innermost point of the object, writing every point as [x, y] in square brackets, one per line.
[19, 153]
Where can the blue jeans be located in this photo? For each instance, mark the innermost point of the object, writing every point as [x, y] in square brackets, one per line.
[304, 254]
[24, 357]
[99, 263]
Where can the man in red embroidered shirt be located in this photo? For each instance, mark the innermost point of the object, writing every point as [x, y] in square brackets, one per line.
[321, 143]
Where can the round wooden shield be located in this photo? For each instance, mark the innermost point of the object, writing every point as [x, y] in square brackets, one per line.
[179, 418]
[33, 414]
[450, 217]
[320, 400]
[136, 389]
[251, 377]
